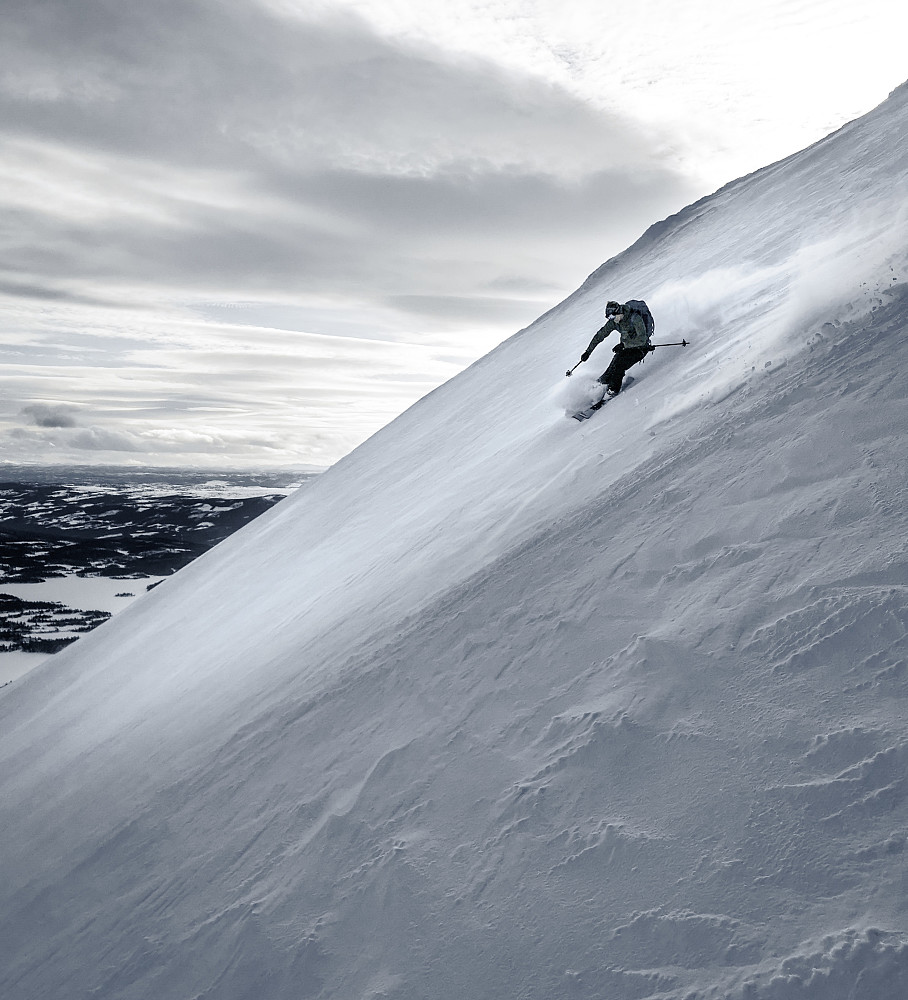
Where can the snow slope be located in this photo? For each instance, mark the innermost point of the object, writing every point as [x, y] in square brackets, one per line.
[508, 706]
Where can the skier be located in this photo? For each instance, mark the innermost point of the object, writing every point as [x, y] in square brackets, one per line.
[634, 322]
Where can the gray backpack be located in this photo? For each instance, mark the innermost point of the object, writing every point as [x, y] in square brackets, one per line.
[641, 308]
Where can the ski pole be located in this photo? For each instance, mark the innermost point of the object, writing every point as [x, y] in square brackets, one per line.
[674, 343]
[572, 370]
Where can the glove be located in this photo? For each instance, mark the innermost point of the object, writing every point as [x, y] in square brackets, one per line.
[650, 348]
[616, 348]
[585, 356]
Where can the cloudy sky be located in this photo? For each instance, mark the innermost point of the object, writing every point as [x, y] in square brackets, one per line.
[250, 232]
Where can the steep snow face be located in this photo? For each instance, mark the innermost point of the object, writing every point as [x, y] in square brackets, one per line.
[504, 705]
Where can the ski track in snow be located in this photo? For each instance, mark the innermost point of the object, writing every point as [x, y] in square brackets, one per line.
[508, 706]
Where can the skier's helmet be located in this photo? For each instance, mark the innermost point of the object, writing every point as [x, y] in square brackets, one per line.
[612, 308]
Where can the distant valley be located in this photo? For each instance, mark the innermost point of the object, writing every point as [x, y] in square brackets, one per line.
[76, 544]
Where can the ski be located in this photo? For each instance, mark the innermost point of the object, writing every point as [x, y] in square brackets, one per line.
[585, 414]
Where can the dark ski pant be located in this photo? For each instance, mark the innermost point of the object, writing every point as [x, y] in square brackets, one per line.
[624, 358]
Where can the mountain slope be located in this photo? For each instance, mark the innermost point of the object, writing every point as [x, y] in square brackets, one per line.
[503, 705]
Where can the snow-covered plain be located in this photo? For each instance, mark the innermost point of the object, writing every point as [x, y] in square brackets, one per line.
[504, 705]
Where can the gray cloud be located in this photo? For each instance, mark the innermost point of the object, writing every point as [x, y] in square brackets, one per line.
[46, 291]
[101, 439]
[50, 415]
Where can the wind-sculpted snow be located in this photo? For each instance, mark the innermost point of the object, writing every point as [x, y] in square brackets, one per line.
[507, 706]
